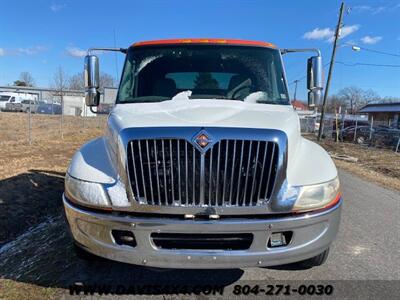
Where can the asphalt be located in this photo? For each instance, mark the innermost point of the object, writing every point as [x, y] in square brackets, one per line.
[367, 248]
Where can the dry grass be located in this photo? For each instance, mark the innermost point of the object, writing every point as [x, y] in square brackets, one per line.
[27, 194]
[48, 150]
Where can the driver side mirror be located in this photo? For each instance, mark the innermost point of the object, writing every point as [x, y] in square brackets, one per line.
[314, 80]
[91, 78]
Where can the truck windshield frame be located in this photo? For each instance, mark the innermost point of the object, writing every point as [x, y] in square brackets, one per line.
[221, 72]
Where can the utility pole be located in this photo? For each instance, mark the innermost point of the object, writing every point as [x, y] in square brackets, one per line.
[328, 82]
[295, 89]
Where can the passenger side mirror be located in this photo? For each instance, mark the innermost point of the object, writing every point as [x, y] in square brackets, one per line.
[91, 78]
[314, 80]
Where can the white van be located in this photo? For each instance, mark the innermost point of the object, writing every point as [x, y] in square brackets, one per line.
[10, 97]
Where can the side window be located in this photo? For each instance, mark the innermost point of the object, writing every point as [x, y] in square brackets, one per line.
[12, 99]
[127, 90]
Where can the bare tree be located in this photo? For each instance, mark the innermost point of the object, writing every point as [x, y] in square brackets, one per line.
[76, 82]
[371, 96]
[352, 96]
[60, 84]
[106, 80]
[351, 99]
[334, 103]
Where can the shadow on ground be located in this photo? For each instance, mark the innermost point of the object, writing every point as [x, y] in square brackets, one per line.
[37, 249]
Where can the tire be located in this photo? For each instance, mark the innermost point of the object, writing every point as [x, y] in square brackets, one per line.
[360, 140]
[315, 261]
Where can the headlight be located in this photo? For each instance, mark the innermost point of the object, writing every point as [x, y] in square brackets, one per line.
[86, 193]
[312, 197]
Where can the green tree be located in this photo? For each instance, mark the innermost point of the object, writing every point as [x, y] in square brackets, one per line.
[19, 83]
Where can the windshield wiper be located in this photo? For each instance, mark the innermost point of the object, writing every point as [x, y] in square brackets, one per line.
[144, 100]
[272, 102]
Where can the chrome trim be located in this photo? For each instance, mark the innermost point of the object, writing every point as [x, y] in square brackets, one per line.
[179, 170]
[135, 173]
[233, 169]
[269, 172]
[202, 178]
[273, 205]
[151, 181]
[225, 167]
[141, 168]
[165, 172]
[172, 171]
[312, 234]
[156, 161]
[240, 167]
[255, 171]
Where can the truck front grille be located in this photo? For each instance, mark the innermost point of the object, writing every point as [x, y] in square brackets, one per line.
[173, 172]
[201, 241]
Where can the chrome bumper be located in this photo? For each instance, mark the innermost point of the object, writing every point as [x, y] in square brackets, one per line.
[312, 234]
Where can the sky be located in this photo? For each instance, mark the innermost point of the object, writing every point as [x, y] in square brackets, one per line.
[39, 36]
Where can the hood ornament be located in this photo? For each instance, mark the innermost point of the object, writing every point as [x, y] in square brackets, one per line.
[202, 140]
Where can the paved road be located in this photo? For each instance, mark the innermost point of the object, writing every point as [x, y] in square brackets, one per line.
[367, 247]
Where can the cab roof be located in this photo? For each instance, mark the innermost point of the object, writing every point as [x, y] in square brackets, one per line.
[203, 41]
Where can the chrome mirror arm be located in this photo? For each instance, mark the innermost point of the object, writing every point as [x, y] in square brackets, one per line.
[284, 51]
[123, 50]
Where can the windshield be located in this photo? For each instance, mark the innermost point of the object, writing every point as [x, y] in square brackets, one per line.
[251, 74]
[4, 98]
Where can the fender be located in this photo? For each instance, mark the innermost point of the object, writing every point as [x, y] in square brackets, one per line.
[311, 164]
[92, 162]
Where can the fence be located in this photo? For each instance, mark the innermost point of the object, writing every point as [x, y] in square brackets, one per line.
[30, 127]
[39, 114]
[343, 128]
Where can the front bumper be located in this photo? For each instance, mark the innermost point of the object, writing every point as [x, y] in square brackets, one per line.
[312, 234]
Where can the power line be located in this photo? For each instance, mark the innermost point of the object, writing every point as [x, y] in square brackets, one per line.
[305, 76]
[374, 51]
[348, 64]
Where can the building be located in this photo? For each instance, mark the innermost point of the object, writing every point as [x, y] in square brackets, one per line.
[385, 113]
[73, 100]
[298, 105]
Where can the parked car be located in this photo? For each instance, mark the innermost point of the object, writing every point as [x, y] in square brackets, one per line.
[13, 105]
[14, 97]
[347, 134]
[31, 105]
[386, 137]
[49, 108]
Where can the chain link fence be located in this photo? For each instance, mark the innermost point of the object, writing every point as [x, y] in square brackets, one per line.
[40, 115]
[31, 127]
[354, 129]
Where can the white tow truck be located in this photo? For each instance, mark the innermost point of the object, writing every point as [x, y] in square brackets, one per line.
[202, 164]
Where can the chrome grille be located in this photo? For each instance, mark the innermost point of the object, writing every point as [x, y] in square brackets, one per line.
[173, 172]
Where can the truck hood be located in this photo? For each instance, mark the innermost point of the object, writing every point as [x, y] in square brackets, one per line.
[208, 112]
[203, 113]
[97, 160]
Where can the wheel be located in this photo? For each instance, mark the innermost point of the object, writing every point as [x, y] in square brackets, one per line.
[360, 140]
[315, 261]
